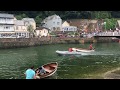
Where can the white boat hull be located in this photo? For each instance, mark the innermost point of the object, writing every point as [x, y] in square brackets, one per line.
[70, 53]
[82, 50]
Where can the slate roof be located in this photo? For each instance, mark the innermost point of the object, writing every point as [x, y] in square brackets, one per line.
[28, 19]
[2, 15]
[19, 22]
[51, 17]
[40, 28]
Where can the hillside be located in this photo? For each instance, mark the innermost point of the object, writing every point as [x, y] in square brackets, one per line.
[65, 15]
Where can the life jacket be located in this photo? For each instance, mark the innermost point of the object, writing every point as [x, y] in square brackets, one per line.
[90, 47]
[70, 50]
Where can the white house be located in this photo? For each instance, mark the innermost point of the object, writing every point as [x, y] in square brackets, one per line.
[29, 21]
[21, 29]
[6, 25]
[66, 27]
[65, 24]
[54, 23]
[69, 28]
[41, 31]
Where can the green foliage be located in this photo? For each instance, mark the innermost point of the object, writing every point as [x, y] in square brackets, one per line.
[21, 16]
[110, 24]
[65, 15]
[38, 19]
[102, 14]
[30, 28]
[18, 17]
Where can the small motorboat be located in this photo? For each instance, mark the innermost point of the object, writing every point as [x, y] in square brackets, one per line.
[70, 53]
[82, 50]
[49, 69]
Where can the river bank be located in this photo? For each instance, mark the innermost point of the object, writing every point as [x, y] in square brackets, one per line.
[112, 74]
[27, 42]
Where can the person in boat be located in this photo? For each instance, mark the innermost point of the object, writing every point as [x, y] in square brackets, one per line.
[30, 73]
[37, 73]
[70, 49]
[91, 47]
[42, 71]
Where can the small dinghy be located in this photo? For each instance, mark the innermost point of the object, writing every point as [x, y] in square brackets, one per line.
[49, 70]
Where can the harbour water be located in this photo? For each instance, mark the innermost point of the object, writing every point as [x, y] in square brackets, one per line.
[14, 62]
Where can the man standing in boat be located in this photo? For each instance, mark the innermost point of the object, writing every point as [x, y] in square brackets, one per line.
[91, 47]
[30, 73]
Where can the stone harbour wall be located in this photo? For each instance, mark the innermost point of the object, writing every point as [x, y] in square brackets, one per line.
[27, 42]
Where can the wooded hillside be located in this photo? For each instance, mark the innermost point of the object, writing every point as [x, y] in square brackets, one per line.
[40, 15]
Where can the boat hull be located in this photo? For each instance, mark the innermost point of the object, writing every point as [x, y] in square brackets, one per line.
[69, 53]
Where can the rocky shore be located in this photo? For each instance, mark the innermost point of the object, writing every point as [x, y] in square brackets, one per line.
[113, 74]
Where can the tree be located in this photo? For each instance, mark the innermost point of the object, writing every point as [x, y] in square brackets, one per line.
[38, 19]
[30, 29]
[18, 17]
[110, 24]
[21, 16]
[102, 14]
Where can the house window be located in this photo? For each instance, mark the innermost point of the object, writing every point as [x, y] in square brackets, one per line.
[26, 23]
[6, 27]
[16, 27]
[19, 34]
[54, 28]
[58, 23]
[67, 29]
[58, 28]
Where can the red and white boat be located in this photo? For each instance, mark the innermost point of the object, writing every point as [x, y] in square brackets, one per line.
[82, 50]
[70, 53]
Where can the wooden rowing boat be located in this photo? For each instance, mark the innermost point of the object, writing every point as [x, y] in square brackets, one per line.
[49, 68]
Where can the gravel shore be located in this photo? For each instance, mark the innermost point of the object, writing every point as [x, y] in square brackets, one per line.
[112, 74]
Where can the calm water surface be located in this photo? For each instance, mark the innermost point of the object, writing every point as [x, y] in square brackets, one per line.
[14, 62]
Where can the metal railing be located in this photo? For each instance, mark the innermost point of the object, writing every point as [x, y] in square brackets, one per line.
[107, 34]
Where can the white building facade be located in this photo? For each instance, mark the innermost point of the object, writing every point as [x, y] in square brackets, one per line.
[69, 28]
[20, 29]
[41, 31]
[66, 27]
[6, 25]
[29, 21]
[54, 23]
